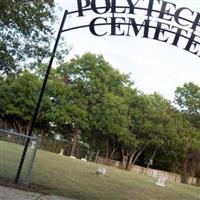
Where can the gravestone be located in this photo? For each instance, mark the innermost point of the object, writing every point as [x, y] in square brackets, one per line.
[61, 152]
[154, 174]
[101, 171]
[73, 157]
[161, 181]
[33, 144]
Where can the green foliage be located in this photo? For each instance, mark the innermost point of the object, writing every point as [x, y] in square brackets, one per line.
[101, 90]
[86, 100]
[188, 98]
[23, 96]
[25, 33]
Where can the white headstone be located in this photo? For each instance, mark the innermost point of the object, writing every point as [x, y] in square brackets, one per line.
[154, 174]
[33, 144]
[61, 152]
[161, 181]
[73, 157]
[151, 162]
[83, 159]
[101, 171]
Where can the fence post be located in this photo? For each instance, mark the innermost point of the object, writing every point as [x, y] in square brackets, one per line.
[27, 180]
[40, 99]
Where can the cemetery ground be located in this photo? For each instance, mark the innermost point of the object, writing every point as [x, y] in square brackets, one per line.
[77, 179]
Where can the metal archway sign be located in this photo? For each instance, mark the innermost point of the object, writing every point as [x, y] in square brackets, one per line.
[159, 20]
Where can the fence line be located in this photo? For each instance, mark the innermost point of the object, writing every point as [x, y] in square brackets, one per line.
[11, 148]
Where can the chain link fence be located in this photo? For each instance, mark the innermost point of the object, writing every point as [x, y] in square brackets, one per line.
[63, 147]
[11, 148]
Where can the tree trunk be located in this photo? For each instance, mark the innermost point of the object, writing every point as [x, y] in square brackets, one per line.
[69, 149]
[14, 126]
[42, 137]
[124, 160]
[19, 127]
[97, 156]
[54, 146]
[138, 154]
[185, 175]
[190, 165]
[107, 150]
[4, 124]
[152, 157]
[74, 140]
[27, 127]
[130, 160]
[112, 153]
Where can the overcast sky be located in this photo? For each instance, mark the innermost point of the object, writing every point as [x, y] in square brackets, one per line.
[154, 66]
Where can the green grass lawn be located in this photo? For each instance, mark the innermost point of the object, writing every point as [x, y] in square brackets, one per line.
[76, 179]
[10, 155]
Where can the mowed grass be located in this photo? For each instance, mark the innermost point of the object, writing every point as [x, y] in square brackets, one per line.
[76, 179]
[10, 155]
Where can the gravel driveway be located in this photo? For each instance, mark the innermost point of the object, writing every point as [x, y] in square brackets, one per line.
[7, 193]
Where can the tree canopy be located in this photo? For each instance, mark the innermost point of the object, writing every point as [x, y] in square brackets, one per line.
[25, 33]
[89, 102]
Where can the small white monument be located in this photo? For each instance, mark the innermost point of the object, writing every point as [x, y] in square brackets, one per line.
[83, 159]
[73, 157]
[154, 174]
[61, 152]
[33, 144]
[161, 181]
[101, 171]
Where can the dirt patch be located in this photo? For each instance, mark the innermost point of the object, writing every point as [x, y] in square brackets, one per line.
[9, 193]
[31, 188]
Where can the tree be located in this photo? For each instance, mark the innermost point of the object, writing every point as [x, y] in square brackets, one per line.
[187, 98]
[25, 33]
[101, 88]
[67, 110]
[150, 115]
[20, 100]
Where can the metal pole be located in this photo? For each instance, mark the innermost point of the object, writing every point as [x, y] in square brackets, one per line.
[31, 164]
[40, 99]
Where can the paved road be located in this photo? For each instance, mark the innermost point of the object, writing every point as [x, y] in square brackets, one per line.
[7, 193]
